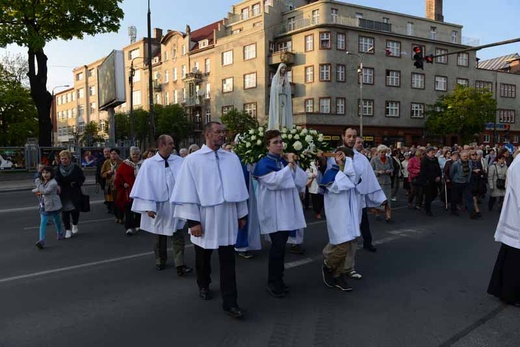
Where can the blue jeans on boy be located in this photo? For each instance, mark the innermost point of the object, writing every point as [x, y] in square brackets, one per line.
[44, 217]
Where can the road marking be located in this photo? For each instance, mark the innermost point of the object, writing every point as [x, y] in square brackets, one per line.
[34, 208]
[81, 222]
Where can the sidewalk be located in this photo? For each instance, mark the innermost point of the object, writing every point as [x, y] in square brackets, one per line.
[19, 181]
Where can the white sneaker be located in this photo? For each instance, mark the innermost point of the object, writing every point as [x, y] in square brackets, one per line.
[353, 274]
[137, 229]
[74, 229]
[68, 234]
[129, 232]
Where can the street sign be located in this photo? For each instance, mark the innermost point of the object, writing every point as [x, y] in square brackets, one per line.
[501, 127]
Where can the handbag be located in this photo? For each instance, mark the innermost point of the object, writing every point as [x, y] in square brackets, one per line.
[501, 183]
[85, 203]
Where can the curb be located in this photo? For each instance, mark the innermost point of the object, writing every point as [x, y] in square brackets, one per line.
[29, 187]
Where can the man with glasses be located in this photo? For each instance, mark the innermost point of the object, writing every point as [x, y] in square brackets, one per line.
[460, 176]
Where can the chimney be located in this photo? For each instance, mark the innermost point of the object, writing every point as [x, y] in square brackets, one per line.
[434, 10]
[157, 33]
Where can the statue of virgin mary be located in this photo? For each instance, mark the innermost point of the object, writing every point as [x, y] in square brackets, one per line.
[280, 103]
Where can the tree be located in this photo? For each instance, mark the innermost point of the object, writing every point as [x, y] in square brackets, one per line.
[464, 111]
[91, 135]
[18, 116]
[238, 122]
[172, 120]
[122, 126]
[32, 23]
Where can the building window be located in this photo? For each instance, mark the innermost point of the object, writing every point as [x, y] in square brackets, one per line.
[91, 91]
[174, 74]
[207, 65]
[309, 43]
[324, 105]
[93, 108]
[484, 86]
[366, 45]
[227, 85]
[79, 76]
[393, 49]
[90, 72]
[368, 107]
[463, 82]
[256, 9]
[134, 53]
[341, 73]
[196, 67]
[166, 76]
[455, 36]
[208, 91]
[250, 108]
[165, 55]
[334, 15]
[183, 50]
[284, 46]
[183, 71]
[315, 17]
[208, 117]
[507, 90]
[309, 105]
[410, 29]
[244, 14]
[81, 93]
[291, 23]
[81, 110]
[441, 83]
[289, 75]
[506, 116]
[250, 80]
[417, 80]
[341, 42]
[227, 58]
[136, 95]
[443, 59]
[433, 33]
[392, 109]
[368, 75]
[393, 78]
[325, 40]
[515, 138]
[486, 138]
[417, 110]
[340, 105]
[227, 108]
[175, 97]
[309, 74]
[250, 51]
[325, 72]
[463, 59]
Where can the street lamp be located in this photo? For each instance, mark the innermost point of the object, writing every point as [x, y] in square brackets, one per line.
[150, 81]
[54, 111]
[131, 83]
[360, 73]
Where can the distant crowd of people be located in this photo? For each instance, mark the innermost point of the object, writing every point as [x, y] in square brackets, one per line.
[227, 206]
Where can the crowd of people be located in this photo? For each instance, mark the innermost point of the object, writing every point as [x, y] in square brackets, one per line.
[226, 205]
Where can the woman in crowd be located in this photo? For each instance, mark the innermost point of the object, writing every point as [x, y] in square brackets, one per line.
[414, 169]
[404, 172]
[396, 174]
[497, 174]
[50, 203]
[477, 176]
[70, 178]
[124, 181]
[108, 172]
[383, 169]
[451, 158]
[193, 148]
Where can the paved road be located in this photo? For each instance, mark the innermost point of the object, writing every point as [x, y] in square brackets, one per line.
[424, 287]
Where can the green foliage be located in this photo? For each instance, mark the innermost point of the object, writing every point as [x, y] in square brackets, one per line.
[18, 115]
[238, 122]
[464, 111]
[141, 125]
[122, 126]
[91, 135]
[172, 120]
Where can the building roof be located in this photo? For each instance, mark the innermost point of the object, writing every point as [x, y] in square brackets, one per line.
[204, 33]
[499, 63]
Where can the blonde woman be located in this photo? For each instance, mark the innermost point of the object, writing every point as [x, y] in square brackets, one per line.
[383, 169]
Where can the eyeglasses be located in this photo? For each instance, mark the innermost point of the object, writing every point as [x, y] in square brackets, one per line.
[277, 142]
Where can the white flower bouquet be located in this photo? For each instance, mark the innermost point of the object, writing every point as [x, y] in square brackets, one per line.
[302, 141]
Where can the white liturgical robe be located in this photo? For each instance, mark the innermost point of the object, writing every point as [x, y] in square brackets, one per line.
[211, 190]
[279, 205]
[508, 228]
[151, 192]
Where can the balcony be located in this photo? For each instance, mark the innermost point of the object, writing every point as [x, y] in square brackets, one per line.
[192, 101]
[193, 77]
[374, 25]
[282, 57]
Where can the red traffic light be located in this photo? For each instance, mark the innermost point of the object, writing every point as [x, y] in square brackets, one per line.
[429, 59]
[417, 50]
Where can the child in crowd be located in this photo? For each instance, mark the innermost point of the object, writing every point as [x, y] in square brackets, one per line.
[50, 203]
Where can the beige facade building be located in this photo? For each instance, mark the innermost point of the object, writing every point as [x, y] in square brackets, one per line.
[229, 64]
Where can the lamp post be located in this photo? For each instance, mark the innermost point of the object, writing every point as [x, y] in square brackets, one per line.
[131, 83]
[53, 108]
[360, 73]
[150, 81]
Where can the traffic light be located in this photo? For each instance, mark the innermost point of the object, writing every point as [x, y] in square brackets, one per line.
[429, 59]
[418, 57]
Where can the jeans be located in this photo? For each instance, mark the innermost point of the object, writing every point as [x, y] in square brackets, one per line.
[43, 224]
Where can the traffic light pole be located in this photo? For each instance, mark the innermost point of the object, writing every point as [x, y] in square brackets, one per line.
[477, 48]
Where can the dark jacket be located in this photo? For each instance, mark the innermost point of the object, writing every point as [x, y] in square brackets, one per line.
[430, 170]
[71, 185]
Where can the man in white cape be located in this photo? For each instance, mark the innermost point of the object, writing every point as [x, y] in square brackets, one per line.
[151, 194]
[211, 195]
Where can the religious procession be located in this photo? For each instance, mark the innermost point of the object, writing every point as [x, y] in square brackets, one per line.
[237, 197]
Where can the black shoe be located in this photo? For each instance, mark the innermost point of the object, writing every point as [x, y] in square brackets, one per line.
[328, 276]
[275, 292]
[389, 220]
[205, 293]
[183, 270]
[370, 248]
[341, 283]
[40, 244]
[429, 213]
[297, 249]
[234, 312]
[286, 288]
[160, 267]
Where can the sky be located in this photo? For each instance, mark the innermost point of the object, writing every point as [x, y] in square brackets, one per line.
[483, 20]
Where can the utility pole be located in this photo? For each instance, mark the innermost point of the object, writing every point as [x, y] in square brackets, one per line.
[150, 80]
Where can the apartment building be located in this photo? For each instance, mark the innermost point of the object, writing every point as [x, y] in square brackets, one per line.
[229, 64]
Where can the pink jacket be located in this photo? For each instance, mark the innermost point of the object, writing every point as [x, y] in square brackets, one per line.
[414, 168]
